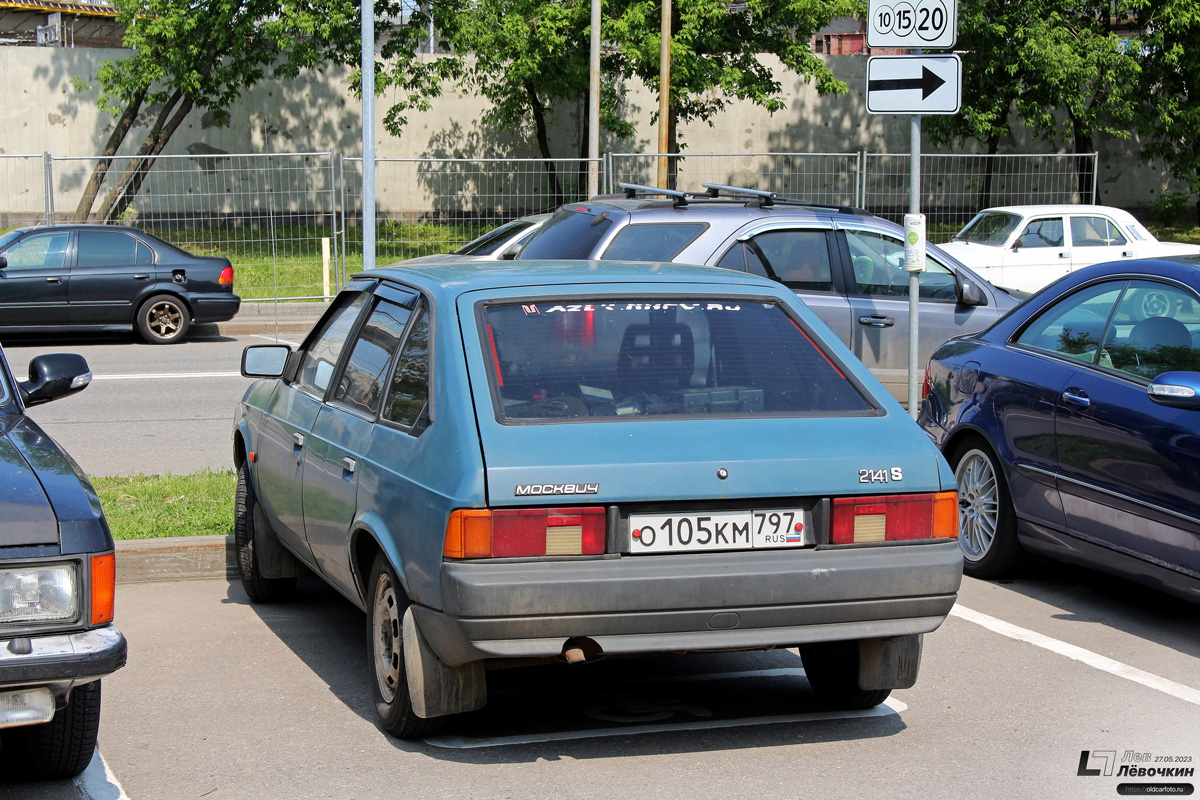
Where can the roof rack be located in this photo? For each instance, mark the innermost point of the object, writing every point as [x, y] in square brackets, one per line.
[633, 190]
[767, 199]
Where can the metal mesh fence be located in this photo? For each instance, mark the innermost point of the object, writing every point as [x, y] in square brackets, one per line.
[291, 223]
[272, 215]
[429, 206]
[22, 191]
[818, 177]
[955, 187]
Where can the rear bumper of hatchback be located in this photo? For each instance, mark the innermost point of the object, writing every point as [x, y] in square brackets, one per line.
[704, 601]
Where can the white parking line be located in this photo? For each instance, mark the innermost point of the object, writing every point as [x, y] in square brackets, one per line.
[155, 376]
[97, 782]
[887, 709]
[1103, 663]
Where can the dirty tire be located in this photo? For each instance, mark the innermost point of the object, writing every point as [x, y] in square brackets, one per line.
[386, 605]
[248, 517]
[163, 319]
[832, 669]
[58, 749]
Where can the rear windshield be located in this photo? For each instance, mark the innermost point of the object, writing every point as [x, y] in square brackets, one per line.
[568, 234]
[651, 357]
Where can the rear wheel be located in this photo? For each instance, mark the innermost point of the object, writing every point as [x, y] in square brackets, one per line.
[385, 638]
[249, 521]
[987, 524]
[163, 319]
[60, 748]
[832, 669]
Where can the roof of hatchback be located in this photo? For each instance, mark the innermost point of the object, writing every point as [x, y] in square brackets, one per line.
[465, 275]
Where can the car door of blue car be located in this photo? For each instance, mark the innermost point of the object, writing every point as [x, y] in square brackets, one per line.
[1129, 467]
[341, 436]
[288, 419]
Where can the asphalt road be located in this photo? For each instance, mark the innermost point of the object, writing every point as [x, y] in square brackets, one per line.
[151, 409]
[222, 699]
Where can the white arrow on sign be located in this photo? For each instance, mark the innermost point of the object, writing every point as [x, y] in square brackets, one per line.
[914, 84]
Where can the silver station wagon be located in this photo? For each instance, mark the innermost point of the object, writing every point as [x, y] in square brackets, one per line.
[560, 461]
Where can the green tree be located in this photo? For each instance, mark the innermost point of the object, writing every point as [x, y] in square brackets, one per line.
[716, 50]
[1171, 89]
[188, 54]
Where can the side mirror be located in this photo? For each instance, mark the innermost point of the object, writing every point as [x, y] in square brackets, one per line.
[1176, 389]
[3, 262]
[970, 293]
[265, 360]
[53, 376]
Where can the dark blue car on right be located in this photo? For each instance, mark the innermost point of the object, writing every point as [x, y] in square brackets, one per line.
[1073, 426]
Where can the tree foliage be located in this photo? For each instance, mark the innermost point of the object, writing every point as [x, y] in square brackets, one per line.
[1171, 89]
[188, 54]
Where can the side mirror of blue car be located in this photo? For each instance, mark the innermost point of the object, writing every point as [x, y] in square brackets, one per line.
[1176, 389]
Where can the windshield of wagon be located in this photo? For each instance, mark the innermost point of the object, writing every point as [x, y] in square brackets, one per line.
[628, 358]
[570, 233]
[992, 228]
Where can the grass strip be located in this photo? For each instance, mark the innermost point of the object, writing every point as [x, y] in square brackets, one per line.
[156, 506]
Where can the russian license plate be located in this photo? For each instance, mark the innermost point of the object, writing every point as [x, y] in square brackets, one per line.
[720, 530]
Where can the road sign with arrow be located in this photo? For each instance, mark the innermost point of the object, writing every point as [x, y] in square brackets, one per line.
[914, 84]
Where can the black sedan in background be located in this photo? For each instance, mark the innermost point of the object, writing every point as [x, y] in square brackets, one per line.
[101, 277]
[57, 581]
[1073, 426]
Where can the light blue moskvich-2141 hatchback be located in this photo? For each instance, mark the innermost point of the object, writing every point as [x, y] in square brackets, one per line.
[566, 460]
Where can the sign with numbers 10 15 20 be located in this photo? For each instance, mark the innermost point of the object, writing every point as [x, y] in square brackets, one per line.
[912, 23]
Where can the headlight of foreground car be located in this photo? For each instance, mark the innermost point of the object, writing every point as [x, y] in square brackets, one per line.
[47, 593]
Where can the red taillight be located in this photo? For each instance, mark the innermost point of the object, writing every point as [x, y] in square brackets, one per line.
[226, 278]
[894, 517]
[927, 384]
[516, 532]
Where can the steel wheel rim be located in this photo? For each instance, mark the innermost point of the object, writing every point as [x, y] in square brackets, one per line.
[164, 319]
[978, 505]
[386, 641]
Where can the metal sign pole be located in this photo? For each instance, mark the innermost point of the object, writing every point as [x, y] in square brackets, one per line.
[368, 133]
[914, 276]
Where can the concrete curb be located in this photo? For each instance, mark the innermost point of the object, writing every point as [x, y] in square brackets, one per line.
[176, 558]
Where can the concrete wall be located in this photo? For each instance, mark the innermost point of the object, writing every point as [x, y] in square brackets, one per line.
[45, 110]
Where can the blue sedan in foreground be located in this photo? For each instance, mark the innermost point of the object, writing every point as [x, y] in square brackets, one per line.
[559, 461]
[1073, 426]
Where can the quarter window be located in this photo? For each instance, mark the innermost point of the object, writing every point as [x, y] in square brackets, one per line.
[658, 242]
[1152, 330]
[410, 385]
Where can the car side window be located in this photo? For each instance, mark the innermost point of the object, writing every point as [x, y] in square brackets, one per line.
[40, 251]
[362, 382]
[319, 360]
[409, 391]
[743, 259]
[1152, 329]
[797, 258]
[106, 249]
[1095, 232]
[1042, 233]
[878, 262]
[144, 254]
[1075, 325]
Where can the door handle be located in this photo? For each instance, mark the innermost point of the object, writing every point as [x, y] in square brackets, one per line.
[141, 277]
[876, 321]
[349, 465]
[1076, 397]
[297, 442]
[54, 279]
[1065, 254]
[1127, 253]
